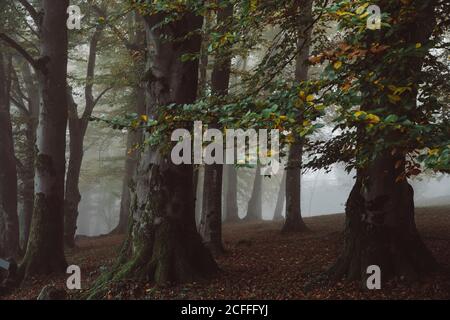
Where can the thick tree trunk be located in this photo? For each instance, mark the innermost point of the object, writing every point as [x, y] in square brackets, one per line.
[163, 245]
[254, 209]
[230, 209]
[211, 222]
[45, 250]
[294, 221]
[380, 227]
[9, 224]
[281, 200]
[132, 158]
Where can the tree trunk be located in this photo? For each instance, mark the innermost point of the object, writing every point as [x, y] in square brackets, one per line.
[281, 200]
[45, 250]
[77, 129]
[294, 221]
[211, 222]
[163, 245]
[9, 223]
[27, 174]
[254, 209]
[380, 227]
[72, 193]
[132, 159]
[231, 210]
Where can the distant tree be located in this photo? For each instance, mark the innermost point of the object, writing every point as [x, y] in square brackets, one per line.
[230, 204]
[281, 199]
[254, 208]
[211, 222]
[77, 130]
[294, 221]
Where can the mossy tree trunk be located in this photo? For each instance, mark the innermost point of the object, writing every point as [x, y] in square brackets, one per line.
[163, 245]
[45, 250]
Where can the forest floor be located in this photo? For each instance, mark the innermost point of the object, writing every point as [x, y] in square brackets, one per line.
[261, 263]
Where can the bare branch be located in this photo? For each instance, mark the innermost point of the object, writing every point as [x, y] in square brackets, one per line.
[31, 10]
[101, 95]
[23, 52]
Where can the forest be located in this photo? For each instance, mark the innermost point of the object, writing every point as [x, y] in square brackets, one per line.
[224, 150]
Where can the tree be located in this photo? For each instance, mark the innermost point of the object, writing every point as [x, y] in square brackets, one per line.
[136, 48]
[163, 245]
[27, 102]
[387, 101]
[45, 250]
[294, 221]
[254, 209]
[281, 199]
[230, 206]
[211, 222]
[9, 224]
[77, 129]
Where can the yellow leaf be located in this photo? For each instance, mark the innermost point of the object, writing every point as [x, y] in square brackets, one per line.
[433, 152]
[310, 98]
[394, 98]
[337, 65]
[373, 119]
[253, 5]
[302, 95]
[361, 9]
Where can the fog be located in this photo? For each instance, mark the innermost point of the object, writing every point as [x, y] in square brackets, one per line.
[322, 193]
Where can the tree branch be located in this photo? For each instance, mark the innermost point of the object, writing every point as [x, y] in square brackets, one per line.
[24, 53]
[101, 95]
[31, 10]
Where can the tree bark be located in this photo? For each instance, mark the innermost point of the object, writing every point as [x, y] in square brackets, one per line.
[45, 250]
[380, 227]
[294, 221]
[134, 139]
[254, 209]
[9, 223]
[281, 200]
[231, 211]
[27, 173]
[132, 159]
[211, 222]
[163, 245]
